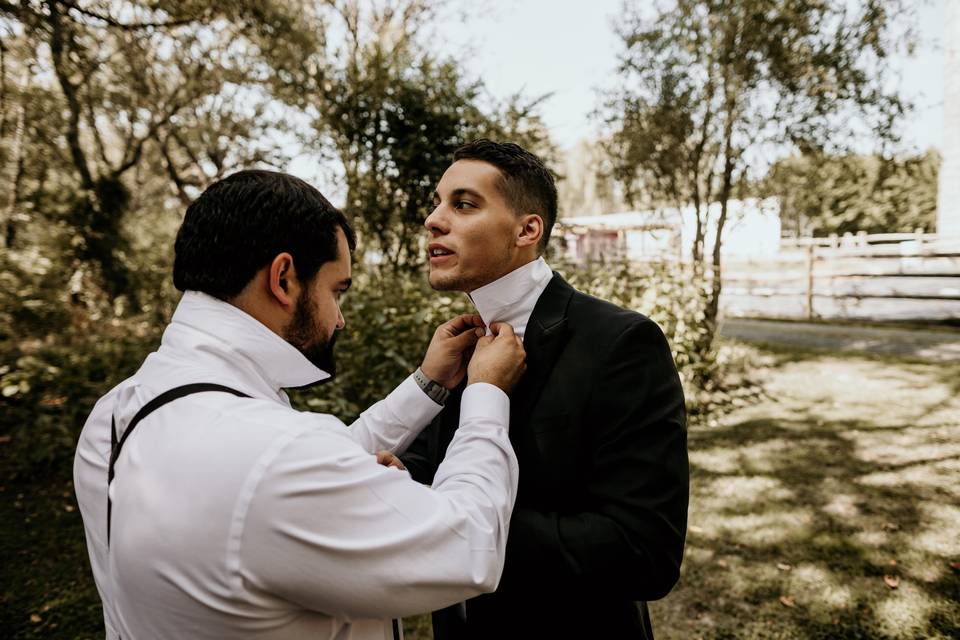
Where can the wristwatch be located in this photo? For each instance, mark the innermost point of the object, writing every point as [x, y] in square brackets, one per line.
[434, 390]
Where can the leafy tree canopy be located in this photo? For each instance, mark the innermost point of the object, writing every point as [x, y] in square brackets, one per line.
[823, 195]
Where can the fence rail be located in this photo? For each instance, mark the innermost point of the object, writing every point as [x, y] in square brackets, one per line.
[912, 276]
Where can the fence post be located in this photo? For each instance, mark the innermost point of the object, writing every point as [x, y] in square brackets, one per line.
[920, 240]
[810, 258]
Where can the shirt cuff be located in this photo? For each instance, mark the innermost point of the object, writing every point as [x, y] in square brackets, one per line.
[411, 405]
[487, 402]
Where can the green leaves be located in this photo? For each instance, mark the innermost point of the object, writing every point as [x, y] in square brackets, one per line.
[825, 194]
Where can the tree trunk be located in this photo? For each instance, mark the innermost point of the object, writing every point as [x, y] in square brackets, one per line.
[57, 45]
[726, 189]
[15, 169]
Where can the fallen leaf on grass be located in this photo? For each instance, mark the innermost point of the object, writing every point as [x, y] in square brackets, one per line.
[788, 601]
[696, 530]
[722, 563]
[4, 439]
[783, 566]
[893, 563]
[892, 581]
[34, 618]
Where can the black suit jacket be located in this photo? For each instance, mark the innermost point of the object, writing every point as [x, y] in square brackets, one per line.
[599, 427]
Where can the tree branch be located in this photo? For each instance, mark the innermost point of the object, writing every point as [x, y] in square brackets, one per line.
[70, 93]
[16, 172]
[178, 182]
[131, 26]
[186, 149]
[98, 141]
[137, 150]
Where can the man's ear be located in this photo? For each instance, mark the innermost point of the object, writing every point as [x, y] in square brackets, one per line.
[531, 230]
[282, 280]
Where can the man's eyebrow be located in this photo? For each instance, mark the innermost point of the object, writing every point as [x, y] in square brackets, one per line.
[467, 192]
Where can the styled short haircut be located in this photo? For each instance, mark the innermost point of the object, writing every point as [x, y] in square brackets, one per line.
[241, 223]
[525, 182]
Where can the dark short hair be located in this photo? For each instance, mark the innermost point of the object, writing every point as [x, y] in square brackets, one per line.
[525, 182]
[241, 223]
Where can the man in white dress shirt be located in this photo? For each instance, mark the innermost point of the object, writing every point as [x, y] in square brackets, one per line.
[226, 513]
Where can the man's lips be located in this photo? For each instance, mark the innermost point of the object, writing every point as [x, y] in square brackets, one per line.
[439, 254]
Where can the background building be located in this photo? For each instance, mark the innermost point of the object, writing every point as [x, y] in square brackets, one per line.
[752, 231]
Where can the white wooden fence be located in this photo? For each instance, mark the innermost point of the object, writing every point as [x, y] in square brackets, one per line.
[899, 276]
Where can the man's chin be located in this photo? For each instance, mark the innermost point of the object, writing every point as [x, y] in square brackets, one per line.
[443, 282]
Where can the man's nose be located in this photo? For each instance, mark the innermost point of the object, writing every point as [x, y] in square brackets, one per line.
[341, 323]
[436, 222]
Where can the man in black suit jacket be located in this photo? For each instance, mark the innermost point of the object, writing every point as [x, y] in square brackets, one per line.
[598, 421]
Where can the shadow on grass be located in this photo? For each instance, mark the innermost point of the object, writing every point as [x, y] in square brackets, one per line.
[797, 527]
[796, 518]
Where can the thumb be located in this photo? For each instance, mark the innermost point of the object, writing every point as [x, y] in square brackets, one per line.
[466, 339]
[503, 330]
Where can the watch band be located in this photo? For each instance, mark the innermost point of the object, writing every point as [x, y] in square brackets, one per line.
[434, 390]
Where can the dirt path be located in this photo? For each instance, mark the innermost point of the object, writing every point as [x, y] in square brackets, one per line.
[829, 510]
[930, 344]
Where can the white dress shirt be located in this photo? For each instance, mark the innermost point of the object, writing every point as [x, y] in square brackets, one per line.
[243, 518]
[512, 297]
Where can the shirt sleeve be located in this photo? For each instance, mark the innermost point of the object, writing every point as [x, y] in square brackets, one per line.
[394, 422]
[332, 531]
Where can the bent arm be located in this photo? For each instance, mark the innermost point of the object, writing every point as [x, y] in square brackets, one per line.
[394, 422]
[631, 539]
[417, 457]
[332, 531]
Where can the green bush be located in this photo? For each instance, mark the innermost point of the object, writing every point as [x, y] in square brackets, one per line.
[48, 387]
[391, 316]
[49, 383]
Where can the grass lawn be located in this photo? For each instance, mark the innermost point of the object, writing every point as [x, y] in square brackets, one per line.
[829, 510]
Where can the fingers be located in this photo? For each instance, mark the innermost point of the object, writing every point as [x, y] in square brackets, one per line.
[462, 323]
[387, 459]
[485, 341]
[466, 339]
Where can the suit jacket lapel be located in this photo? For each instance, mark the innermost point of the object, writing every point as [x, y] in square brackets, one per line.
[544, 339]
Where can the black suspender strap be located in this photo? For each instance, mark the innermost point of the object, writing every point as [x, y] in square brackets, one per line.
[167, 396]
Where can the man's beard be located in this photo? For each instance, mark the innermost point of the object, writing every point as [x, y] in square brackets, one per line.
[474, 278]
[302, 334]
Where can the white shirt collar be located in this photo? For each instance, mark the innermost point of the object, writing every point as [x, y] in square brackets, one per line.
[210, 326]
[512, 297]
